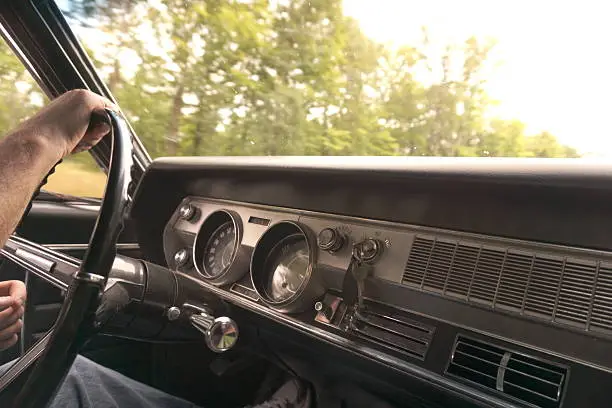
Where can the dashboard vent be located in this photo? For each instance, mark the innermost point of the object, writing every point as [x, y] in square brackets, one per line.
[393, 330]
[561, 290]
[530, 380]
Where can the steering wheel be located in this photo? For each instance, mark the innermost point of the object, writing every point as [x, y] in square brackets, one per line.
[33, 379]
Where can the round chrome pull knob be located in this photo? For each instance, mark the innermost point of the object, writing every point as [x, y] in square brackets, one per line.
[330, 239]
[181, 257]
[187, 211]
[368, 250]
[223, 334]
[220, 334]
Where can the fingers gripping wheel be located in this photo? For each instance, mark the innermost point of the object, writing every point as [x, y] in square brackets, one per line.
[32, 380]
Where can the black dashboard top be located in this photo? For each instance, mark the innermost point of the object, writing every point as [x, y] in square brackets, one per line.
[549, 172]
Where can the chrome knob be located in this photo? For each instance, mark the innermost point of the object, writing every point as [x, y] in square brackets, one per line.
[368, 250]
[181, 257]
[220, 334]
[187, 211]
[173, 313]
[330, 239]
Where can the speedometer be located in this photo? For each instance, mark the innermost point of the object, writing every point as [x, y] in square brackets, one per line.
[219, 250]
[287, 267]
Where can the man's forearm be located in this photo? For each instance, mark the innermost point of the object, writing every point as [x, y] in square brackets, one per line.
[26, 157]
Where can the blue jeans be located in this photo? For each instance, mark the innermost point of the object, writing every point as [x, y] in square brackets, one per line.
[91, 385]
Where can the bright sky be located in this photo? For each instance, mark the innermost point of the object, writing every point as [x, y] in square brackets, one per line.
[555, 67]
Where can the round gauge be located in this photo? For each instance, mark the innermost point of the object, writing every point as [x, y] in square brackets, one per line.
[219, 250]
[217, 253]
[283, 268]
[287, 268]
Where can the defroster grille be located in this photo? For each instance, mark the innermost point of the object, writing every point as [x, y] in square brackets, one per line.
[556, 289]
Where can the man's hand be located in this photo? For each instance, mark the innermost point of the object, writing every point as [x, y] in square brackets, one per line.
[27, 154]
[66, 123]
[12, 301]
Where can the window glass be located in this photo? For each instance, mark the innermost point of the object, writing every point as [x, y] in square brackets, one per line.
[20, 97]
[78, 175]
[355, 77]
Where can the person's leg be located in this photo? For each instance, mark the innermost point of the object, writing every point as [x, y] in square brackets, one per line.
[91, 385]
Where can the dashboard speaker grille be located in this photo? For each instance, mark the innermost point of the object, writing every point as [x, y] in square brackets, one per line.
[530, 380]
[560, 290]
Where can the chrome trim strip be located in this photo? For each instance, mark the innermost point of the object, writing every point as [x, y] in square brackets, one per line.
[68, 247]
[249, 293]
[39, 261]
[356, 348]
[16, 247]
[35, 269]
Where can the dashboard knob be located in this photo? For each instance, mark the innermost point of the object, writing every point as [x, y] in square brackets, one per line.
[368, 250]
[330, 239]
[187, 211]
[220, 334]
[181, 257]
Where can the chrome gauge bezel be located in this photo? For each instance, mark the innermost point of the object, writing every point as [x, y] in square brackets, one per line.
[239, 261]
[310, 287]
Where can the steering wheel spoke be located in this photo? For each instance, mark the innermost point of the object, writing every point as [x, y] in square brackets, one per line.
[54, 267]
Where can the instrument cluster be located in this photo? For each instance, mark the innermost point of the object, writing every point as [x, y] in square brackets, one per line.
[286, 259]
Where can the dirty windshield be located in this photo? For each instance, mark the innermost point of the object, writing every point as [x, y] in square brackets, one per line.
[355, 77]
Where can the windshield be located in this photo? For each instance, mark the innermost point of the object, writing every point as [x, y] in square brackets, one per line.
[355, 77]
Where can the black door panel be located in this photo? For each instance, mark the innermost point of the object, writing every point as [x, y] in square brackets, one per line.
[64, 222]
[66, 227]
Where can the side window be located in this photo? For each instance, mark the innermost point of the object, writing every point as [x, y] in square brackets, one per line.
[20, 97]
[78, 175]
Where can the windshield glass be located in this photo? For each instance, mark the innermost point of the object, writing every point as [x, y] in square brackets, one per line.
[355, 77]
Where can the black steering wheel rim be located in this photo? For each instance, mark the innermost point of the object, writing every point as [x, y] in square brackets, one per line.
[34, 378]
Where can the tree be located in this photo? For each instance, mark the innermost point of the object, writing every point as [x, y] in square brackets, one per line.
[229, 77]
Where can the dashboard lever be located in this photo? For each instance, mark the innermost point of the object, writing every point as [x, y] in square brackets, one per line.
[354, 283]
[360, 272]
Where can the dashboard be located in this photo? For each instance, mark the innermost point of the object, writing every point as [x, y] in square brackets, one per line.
[456, 311]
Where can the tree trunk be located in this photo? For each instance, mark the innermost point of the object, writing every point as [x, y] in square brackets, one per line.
[172, 137]
[115, 77]
[197, 138]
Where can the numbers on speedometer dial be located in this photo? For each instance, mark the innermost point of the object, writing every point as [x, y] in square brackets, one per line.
[219, 250]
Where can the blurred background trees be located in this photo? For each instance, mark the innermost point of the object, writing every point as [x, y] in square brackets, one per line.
[292, 77]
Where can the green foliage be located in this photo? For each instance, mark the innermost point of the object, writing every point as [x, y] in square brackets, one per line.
[286, 77]
[20, 92]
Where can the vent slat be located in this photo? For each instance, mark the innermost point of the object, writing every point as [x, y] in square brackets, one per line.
[535, 393]
[532, 381]
[551, 288]
[392, 330]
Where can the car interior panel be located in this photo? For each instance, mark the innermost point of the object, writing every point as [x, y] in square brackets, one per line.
[380, 282]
